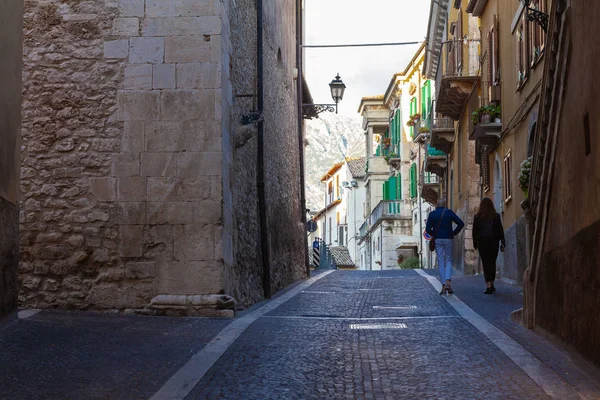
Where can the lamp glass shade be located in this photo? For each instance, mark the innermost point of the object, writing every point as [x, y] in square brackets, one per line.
[337, 89]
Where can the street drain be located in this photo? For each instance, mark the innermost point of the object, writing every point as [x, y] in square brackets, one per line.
[395, 307]
[378, 326]
[320, 316]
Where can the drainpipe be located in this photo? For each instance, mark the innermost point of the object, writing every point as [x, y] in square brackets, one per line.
[301, 124]
[260, 175]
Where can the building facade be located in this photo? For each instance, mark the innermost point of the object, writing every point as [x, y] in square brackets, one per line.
[139, 181]
[452, 60]
[11, 34]
[561, 282]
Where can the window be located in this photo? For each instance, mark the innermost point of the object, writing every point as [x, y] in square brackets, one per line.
[341, 236]
[337, 187]
[537, 39]
[522, 51]
[413, 111]
[330, 192]
[330, 229]
[493, 63]
[507, 177]
[413, 181]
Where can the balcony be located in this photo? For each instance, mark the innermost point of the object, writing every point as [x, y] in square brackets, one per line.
[430, 188]
[376, 165]
[435, 161]
[385, 210]
[442, 135]
[421, 130]
[460, 72]
[485, 125]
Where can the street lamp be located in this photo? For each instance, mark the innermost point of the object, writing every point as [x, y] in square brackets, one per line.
[535, 15]
[337, 88]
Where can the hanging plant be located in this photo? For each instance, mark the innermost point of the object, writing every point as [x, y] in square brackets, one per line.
[524, 175]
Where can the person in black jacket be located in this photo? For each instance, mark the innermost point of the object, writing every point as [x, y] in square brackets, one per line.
[487, 232]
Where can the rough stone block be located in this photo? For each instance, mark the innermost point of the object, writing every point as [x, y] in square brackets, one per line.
[131, 8]
[138, 77]
[182, 105]
[187, 49]
[106, 145]
[110, 296]
[131, 189]
[159, 164]
[126, 164]
[133, 137]
[116, 49]
[206, 212]
[200, 136]
[146, 50]
[163, 136]
[194, 242]
[197, 188]
[164, 189]
[131, 213]
[126, 27]
[156, 212]
[140, 270]
[130, 240]
[190, 165]
[198, 76]
[103, 188]
[182, 26]
[215, 48]
[158, 242]
[138, 105]
[164, 76]
[179, 8]
[190, 277]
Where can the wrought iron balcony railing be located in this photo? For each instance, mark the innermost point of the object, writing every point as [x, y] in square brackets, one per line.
[386, 209]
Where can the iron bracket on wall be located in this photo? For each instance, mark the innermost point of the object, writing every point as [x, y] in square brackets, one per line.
[252, 117]
[310, 111]
[541, 18]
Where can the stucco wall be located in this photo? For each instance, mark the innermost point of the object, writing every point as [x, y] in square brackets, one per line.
[568, 282]
[11, 28]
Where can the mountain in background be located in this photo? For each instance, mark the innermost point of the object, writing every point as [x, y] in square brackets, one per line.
[331, 138]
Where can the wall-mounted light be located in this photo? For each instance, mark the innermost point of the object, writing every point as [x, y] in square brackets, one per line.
[535, 15]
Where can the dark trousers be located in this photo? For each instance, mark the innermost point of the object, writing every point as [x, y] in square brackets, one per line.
[488, 249]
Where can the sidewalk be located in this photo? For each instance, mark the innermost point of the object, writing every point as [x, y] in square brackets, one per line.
[582, 375]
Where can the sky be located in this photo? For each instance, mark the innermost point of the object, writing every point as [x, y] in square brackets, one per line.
[366, 71]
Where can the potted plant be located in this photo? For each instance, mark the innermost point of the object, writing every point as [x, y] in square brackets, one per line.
[386, 142]
[486, 115]
[524, 174]
[423, 129]
[390, 156]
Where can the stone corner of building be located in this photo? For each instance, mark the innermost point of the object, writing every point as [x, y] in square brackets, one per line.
[208, 305]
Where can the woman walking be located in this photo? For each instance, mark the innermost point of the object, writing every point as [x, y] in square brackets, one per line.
[439, 226]
[487, 232]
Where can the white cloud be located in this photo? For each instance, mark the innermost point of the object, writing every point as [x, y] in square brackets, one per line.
[366, 71]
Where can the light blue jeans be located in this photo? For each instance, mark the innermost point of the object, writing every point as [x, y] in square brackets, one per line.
[443, 250]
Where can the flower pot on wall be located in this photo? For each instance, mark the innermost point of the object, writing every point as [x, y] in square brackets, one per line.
[485, 118]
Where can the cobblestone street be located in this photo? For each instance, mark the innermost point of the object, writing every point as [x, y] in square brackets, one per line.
[348, 335]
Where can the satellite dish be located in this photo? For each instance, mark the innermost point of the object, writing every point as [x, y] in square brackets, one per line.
[311, 226]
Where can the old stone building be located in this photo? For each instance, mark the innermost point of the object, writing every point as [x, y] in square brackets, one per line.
[138, 180]
[562, 281]
[11, 25]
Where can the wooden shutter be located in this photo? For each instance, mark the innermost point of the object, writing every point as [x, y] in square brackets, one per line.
[393, 187]
[459, 47]
[399, 186]
[385, 190]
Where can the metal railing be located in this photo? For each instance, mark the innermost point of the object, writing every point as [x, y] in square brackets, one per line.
[443, 123]
[429, 178]
[460, 58]
[384, 210]
[479, 98]
[432, 151]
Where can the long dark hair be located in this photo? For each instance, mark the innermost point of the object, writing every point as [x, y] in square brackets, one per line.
[487, 210]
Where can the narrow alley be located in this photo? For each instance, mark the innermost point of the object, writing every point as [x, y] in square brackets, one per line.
[339, 335]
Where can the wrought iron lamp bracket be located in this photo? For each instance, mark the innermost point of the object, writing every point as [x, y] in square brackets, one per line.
[541, 18]
[310, 111]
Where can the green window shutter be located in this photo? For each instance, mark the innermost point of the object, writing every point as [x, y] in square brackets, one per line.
[399, 186]
[392, 185]
[423, 107]
[429, 96]
[413, 181]
[385, 189]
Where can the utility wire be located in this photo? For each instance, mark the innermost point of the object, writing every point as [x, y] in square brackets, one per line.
[358, 45]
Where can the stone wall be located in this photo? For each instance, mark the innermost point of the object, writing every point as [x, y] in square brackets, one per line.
[130, 178]
[11, 28]
[282, 170]
[122, 160]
